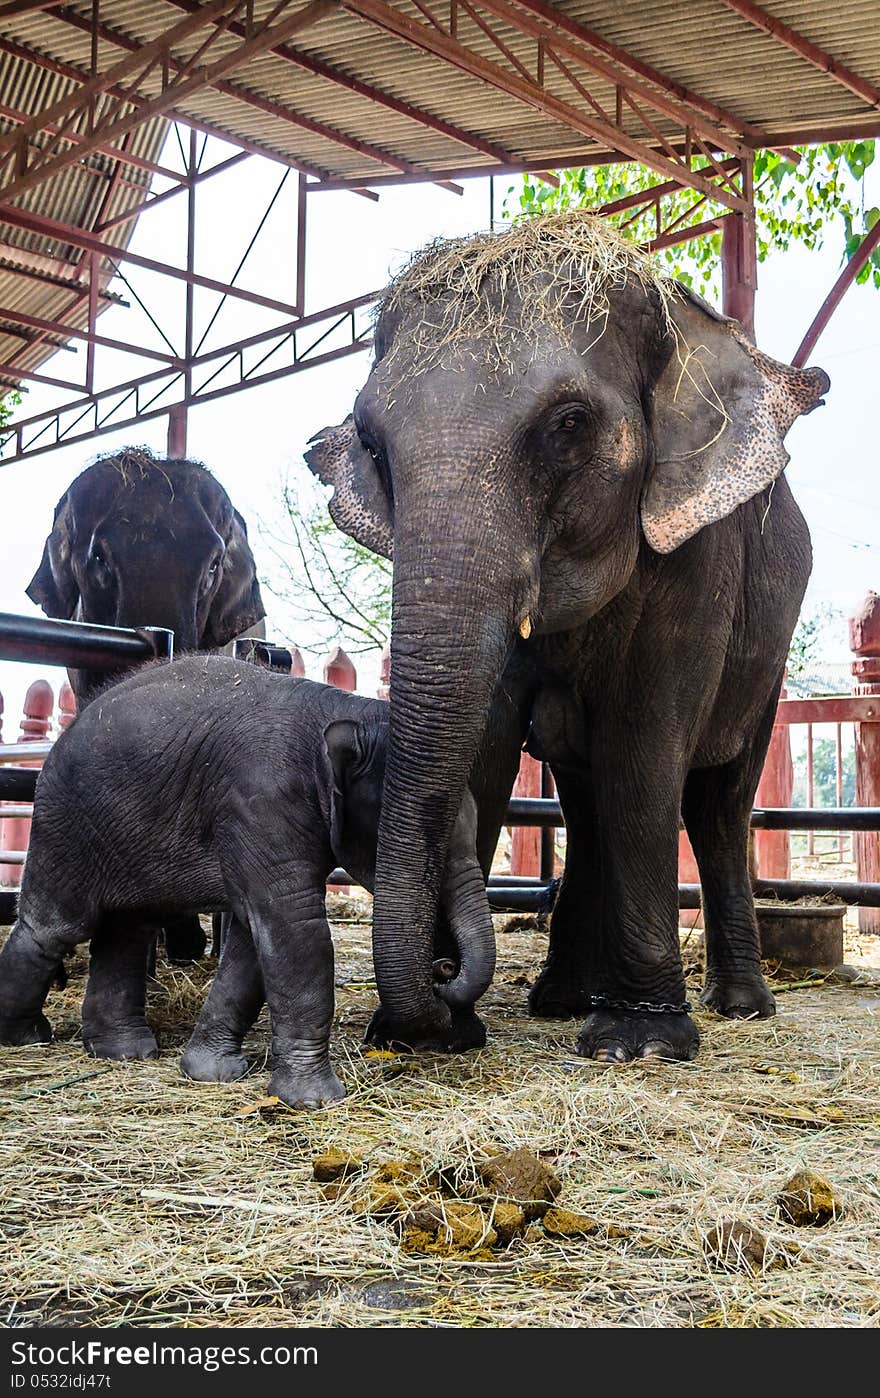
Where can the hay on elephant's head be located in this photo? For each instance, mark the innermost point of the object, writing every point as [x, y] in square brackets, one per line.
[490, 290]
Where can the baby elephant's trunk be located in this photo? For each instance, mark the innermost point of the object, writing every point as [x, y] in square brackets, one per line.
[467, 909]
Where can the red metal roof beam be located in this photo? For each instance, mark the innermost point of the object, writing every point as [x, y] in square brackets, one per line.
[557, 33]
[314, 65]
[173, 92]
[255, 99]
[78, 238]
[756, 135]
[804, 49]
[869, 243]
[75, 138]
[458, 56]
[90, 337]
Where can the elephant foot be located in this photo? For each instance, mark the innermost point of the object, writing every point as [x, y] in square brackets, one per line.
[557, 996]
[18, 1033]
[465, 1031]
[746, 997]
[204, 1064]
[308, 1091]
[619, 1036]
[138, 1042]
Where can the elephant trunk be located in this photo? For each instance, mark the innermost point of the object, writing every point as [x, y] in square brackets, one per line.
[466, 907]
[454, 613]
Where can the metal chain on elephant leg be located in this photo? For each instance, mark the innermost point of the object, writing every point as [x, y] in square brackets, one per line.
[607, 1002]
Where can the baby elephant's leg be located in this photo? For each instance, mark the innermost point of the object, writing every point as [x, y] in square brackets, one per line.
[28, 964]
[295, 951]
[113, 1022]
[213, 1053]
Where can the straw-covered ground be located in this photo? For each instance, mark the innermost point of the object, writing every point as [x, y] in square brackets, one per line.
[130, 1196]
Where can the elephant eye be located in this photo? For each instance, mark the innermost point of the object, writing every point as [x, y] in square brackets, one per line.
[570, 419]
[99, 562]
[211, 572]
[369, 445]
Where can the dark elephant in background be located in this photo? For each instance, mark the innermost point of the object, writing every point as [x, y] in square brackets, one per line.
[138, 540]
[577, 467]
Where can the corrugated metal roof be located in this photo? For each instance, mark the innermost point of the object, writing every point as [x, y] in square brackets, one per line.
[308, 100]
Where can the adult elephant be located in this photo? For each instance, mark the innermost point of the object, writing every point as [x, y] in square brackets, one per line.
[576, 465]
[139, 540]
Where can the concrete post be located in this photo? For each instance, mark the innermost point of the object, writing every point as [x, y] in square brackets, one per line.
[15, 833]
[776, 788]
[864, 640]
[339, 669]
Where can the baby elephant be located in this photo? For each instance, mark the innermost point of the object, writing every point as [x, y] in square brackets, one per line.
[209, 784]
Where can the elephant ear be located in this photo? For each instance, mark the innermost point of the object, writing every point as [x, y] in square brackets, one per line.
[53, 586]
[359, 504]
[237, 603]
[342, 748]
[721, 411]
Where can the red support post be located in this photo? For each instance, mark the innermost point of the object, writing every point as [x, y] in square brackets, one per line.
[773, 847]
[525, 840]
[177, 432]
[739, 261]
[864, 640]
[339, 669]
[688, 873]
[15, 832]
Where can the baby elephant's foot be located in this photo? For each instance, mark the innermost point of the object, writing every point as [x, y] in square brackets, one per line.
[465, 1031]
[204, 1064]
[746, 997]
[32, 1029]
[311, 1089]
[136, 1042]
[619, 1036]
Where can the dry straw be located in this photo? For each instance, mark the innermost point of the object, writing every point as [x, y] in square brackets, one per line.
[487, 292]
[130, 1196]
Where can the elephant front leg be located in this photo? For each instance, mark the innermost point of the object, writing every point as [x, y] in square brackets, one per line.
[635, 977]
[114, 1008]
[295, 953]
[234, 1001]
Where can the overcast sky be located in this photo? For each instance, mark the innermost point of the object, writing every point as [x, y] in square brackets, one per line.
[250, 440]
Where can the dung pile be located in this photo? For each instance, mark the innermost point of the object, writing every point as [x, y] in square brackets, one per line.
[473, 1210]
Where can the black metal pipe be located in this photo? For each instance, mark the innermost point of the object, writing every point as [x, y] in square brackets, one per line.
[18, 783]
[263, 653]
[526, 810]
[80, 644]
[532, 898]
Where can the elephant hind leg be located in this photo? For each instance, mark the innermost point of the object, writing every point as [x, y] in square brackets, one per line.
[29, 963]
[563, 987]
[716, 807]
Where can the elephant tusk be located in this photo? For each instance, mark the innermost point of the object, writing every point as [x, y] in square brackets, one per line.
[525, 628]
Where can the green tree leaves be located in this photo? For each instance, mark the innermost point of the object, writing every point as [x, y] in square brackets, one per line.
[794, 205]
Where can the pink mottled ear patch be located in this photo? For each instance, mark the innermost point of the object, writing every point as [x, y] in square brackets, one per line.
[719, 426]
[358, 503]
